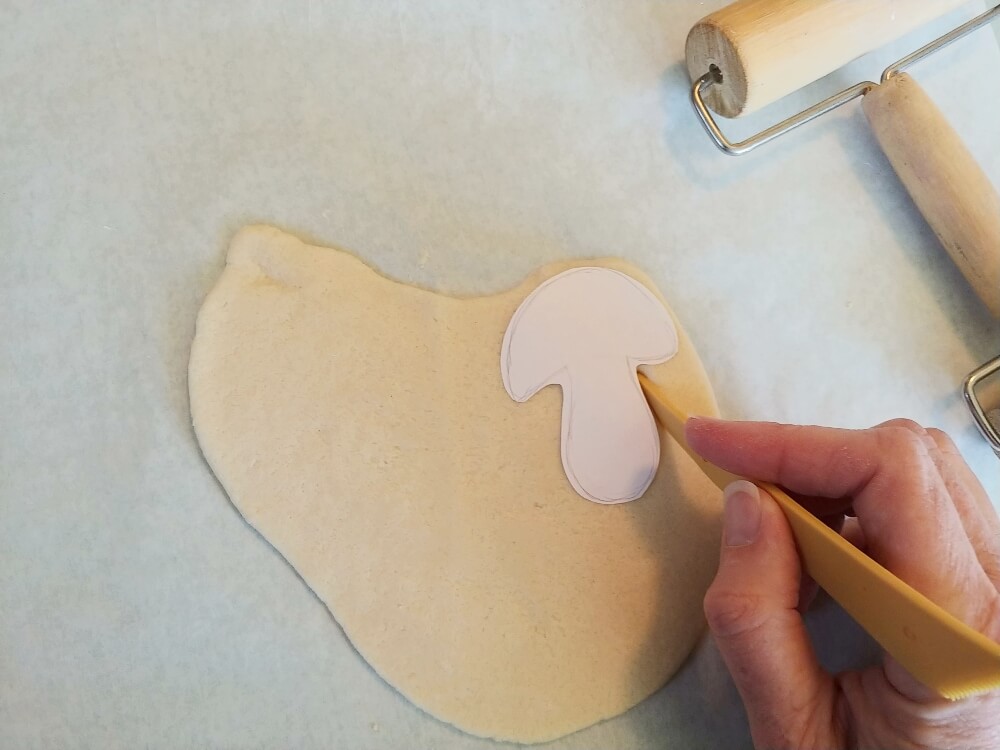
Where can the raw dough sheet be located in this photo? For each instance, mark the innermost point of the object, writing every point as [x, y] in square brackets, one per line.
[361, 426]
[456, 145]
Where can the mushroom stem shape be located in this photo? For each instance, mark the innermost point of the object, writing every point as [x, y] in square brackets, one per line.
[587, 330]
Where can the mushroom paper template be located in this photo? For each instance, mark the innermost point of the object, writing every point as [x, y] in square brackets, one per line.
[361, 425]
[587, 330]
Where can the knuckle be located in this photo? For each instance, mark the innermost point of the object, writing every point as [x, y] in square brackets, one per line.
[901, 443]
[906, 424]
[844, 463]
[906, 457]
[732, 613]
[943, 441]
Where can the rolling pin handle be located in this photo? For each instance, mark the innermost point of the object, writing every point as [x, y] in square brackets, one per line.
[951, 190]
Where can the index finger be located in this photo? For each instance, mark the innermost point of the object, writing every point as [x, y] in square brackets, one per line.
[903, 506]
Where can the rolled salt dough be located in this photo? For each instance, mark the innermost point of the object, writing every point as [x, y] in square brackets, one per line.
[361, 426]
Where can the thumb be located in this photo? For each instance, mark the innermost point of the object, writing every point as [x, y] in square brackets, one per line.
[751, 611]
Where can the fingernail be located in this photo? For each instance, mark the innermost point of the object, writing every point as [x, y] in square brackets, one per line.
[742, 514]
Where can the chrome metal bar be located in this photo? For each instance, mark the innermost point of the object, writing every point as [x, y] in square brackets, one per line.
[941, 42]
[987, 428]
[785, 126]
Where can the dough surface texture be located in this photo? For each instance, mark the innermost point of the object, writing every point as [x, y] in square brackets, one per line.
[361, 426]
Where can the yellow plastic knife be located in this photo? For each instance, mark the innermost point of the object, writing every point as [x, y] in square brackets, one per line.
[933, 645]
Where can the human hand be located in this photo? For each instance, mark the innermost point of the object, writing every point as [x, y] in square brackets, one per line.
[921, 513]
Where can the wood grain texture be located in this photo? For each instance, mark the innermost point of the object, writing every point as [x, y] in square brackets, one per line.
[766, 49]
[950, 189]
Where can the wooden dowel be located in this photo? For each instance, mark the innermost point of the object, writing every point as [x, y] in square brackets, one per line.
[950, 189]
[766, 49]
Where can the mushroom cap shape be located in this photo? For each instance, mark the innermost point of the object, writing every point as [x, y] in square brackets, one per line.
[587, 330]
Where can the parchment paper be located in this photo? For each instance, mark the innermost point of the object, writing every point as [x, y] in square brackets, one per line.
[456, 145]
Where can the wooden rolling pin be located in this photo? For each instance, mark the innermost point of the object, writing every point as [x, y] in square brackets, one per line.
[765, 49]
[949, 187]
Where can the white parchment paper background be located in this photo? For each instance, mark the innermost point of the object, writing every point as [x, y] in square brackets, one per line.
[452, 144]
